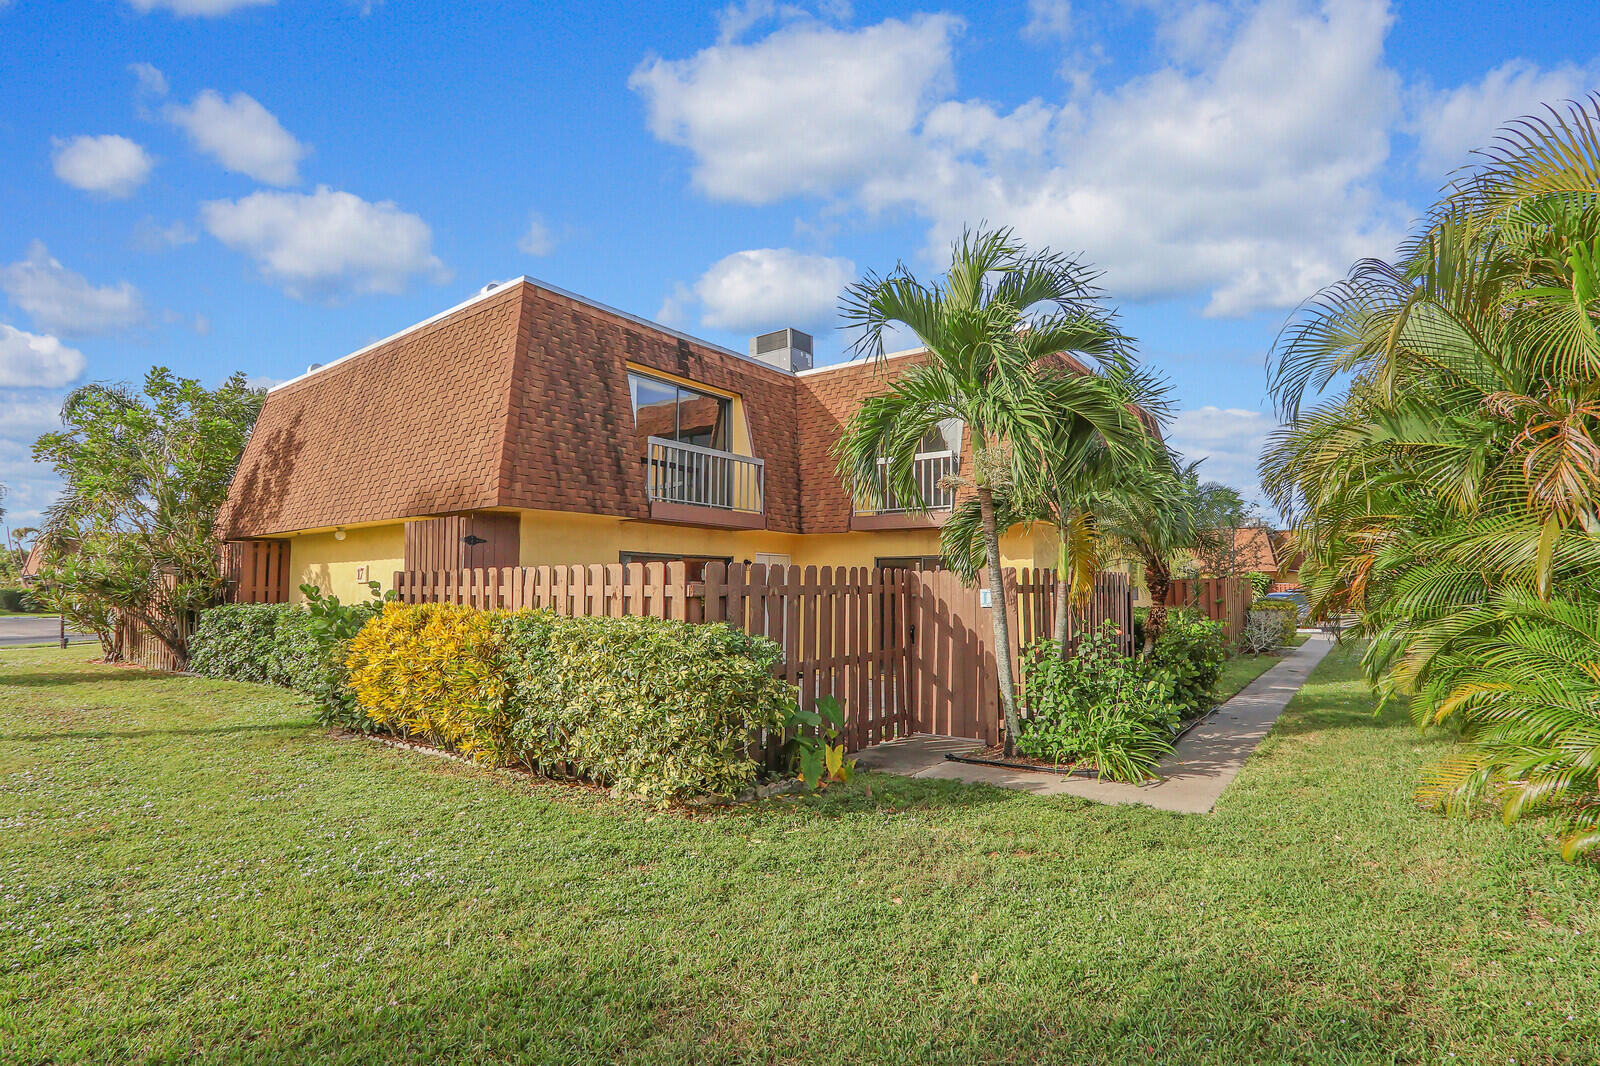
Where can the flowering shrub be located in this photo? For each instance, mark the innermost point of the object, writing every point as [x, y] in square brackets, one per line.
[1098, 707]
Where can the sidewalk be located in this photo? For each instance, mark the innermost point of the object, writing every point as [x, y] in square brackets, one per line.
[19, 630]
[1192, 778]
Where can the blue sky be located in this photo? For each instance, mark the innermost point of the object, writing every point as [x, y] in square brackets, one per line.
[215, 185]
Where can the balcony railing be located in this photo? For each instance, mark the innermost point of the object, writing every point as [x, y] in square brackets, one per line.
[928, 469]
[693, 476]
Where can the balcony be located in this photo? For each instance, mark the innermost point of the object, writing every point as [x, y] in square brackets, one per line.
[699, 486]
[929, 470]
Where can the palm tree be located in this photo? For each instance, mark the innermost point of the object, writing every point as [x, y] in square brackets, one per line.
[1450, 493]
[992, 326]
[1154, 518]
[1082, 475]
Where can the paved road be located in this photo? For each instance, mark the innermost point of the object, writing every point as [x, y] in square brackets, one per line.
[19, 629]
[1206, 762]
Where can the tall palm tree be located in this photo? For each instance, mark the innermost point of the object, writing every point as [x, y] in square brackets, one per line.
[1082, 475]
[1450, 493]
[991, 326]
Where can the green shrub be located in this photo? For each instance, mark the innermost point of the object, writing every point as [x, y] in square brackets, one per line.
[656, 709]
[1098, 707]
[1260, 583]
[281, 644]
[1189, 657]
[661, 710]
[16, 599]
[1288, 612]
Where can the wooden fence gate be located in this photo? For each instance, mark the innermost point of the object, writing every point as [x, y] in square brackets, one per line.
[903, 651]
[1221, 599]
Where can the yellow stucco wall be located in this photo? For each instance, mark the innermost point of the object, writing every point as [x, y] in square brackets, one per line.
[556, 538]
[330, 564]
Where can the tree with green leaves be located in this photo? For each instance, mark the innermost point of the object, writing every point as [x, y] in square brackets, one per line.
[993, 327]
[133, 532]
[1441, 458]
[1166, 515]
[1081, 475]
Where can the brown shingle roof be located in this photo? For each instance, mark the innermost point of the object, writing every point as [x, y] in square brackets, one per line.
[520, 399]
[1252, 547]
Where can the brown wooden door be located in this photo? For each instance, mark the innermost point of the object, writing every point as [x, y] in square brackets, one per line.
[951, 661]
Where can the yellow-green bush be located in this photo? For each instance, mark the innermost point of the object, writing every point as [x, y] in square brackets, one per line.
[434, 671]
[657, 709]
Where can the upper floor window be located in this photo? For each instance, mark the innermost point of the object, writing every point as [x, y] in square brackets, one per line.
[946, 437]
[676, 412]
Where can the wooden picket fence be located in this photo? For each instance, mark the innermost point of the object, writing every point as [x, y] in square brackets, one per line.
[141, 648]
[902, 650]
[1222, 599]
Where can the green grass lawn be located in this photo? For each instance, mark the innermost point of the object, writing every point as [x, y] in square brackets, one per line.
[193, 872]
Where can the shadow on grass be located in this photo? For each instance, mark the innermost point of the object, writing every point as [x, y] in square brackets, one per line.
[37, 679]
[136, 734]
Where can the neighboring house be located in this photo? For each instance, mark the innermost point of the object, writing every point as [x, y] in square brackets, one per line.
[530, 426]
[32, 565]
[1253, 552]
[1289, 560]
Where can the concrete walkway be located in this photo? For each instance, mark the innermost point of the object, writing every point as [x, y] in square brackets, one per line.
[1192, 778]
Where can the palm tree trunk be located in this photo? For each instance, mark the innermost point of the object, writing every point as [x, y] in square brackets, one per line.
[1002, 619]
[1157, 579]
[1063, 593]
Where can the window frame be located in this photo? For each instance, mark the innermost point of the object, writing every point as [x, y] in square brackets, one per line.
[680, 391]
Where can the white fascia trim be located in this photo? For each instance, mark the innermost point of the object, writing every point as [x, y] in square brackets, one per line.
[557, 290]
[901, 354]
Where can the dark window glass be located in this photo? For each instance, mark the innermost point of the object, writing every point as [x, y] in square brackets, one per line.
[694, 565]
[664, 409]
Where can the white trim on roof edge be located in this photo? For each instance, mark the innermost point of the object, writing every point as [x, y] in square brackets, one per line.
[557, 290]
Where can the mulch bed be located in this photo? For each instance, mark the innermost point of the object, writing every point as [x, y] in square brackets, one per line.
[995, 755]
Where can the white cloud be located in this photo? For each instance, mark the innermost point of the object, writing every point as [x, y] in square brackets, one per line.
[151, 81]
[1452, 123]
[1049, 20]
[1213, 173]
[242, 135]
[63, 301]
[151, 236]
[805, 110]
[326, 244]
[33, 360]
[110, 165]
[195, 8]
[262, 381]
[1230, 440]
[24, 415]
[537, 238]
[768, 288]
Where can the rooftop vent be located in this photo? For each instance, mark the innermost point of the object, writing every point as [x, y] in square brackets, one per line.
[786, 349]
